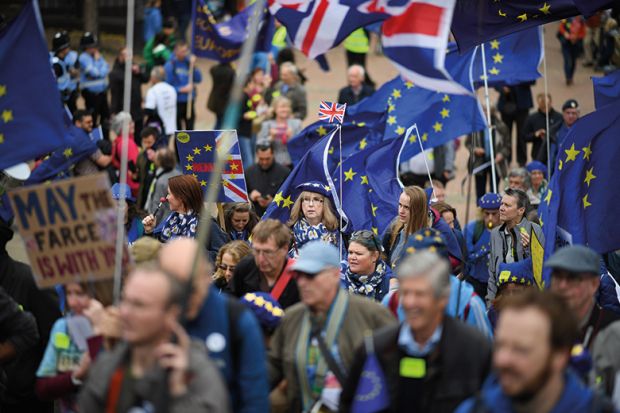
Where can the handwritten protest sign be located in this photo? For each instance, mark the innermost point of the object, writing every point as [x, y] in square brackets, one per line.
[69, 229]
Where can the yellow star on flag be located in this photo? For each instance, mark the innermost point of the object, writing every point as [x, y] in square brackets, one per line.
[321, 131]
[445, 113]
[396, 93]
[208, 148]
[585, 202]
[560, 165]
[189, 158]
[494, 71]
[391, 120]
[501, 13]
[363, 143]
[374, 210]
[498, 58]
[2, 90]
[203, 183]
[195, 176]
[287, 202]
[278, 198]
[68, 152]
[188, 167]
[589, 176]
[437, 127]
[545, 8]
[196, 151]
[364, 179]
[1, 137]
[409, 84]
[349, 174]
[587, 152]
[424, 137]
[391, 108]
[7, 116]
[331, 150]
[548, 196]
[400, 130]
[484, 77]
[522, 17]
[446, 98]
[375, 230]
[571, 153]
[412, 138]
[327, 188]
[494, 44]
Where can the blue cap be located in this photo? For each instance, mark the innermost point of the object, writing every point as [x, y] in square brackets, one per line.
[490, 201]
[316, 256]
[519, 272]
[316, 187]
[425, 239]
[536, 166]
[116, 192]
[267, 310]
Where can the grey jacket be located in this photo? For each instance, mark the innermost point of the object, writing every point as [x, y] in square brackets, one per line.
[498, 246]
[206, 390]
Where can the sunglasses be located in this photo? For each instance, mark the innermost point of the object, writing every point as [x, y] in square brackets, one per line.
[298, 274]
[366, 237]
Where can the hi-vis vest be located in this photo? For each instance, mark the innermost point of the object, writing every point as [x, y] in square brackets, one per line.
[357, 42]
[64, 82]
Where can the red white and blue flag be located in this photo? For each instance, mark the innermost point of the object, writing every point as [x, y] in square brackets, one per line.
[416, 42]
[197, 153]
[332, 111]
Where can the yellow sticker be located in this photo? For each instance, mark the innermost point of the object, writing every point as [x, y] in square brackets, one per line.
[412, 368]
[183, 137]
[62, 341]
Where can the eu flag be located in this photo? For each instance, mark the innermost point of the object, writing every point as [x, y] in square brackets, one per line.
[371, 394]
[197, 153]
[511, 59]
[31, 118]
[580, 204]
[312, 167]
[78, 145]
[478, 21]
[606, 89]
[223, 41]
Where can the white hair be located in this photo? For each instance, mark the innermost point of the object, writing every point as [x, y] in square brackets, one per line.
[430, 265]
[359, 68]
[118, 121]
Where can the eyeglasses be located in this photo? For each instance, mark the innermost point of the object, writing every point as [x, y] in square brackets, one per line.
[266, 253]
[298, 274]
[366, 236]
[225, 267]
[312, 200]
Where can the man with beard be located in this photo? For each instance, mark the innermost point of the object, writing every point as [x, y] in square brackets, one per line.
[533, 341]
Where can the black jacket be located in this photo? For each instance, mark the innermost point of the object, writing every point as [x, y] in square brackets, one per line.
[537, 120]
[455, 370]
[265, 181]
[223, 76]
[247, 279]
[347, 96]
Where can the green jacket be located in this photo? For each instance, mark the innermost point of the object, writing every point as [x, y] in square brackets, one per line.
[158, 54]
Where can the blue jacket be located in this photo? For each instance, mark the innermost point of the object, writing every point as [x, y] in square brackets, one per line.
[462, 299]
[575, 398]
[177, 75]
[247, 378]
[93, 73]
[64, 81]
[477, 252]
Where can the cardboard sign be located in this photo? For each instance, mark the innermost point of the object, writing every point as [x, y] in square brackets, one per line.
[69, 228]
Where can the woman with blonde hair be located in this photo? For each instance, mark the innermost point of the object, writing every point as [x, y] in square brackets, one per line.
[280, 129]
[312, 217]
[227, 259]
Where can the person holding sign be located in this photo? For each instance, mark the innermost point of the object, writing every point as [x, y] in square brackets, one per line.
[185, 201]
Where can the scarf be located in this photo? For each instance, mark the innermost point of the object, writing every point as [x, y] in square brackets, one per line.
[304, 232]
[366, 285]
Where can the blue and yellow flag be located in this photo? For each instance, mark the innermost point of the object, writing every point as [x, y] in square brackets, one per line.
[579, 206]
[478, 21]
[31, 113]
[606, 89]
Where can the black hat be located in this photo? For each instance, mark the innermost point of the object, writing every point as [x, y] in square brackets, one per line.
[570, 104]
[575, 259]
[60, 41]
[88, 40]
[170, 23]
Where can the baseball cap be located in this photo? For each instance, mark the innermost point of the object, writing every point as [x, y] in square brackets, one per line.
[315, 257]
[576, 259]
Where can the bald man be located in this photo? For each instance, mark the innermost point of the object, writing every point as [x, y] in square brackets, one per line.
[230, 331]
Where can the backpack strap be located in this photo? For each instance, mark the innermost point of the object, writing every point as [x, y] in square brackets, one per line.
[114, 391]
[283, 281]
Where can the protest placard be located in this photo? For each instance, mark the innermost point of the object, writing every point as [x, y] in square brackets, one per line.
[69, 229]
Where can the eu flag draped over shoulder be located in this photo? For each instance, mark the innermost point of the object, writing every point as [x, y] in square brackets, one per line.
[31, 118]
[478, 21]
[580, 204]
[197, 154]
[223, 41]
[511, 59]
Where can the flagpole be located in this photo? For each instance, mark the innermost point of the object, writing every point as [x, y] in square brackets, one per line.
[190, 95]
[120, 216]
[428, 170]
[547, 137]
[340, 179]
[489, 128]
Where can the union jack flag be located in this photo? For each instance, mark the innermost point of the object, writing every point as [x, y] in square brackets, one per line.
[332, 112]
[197, 153]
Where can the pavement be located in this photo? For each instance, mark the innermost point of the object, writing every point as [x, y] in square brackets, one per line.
[325, 85]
